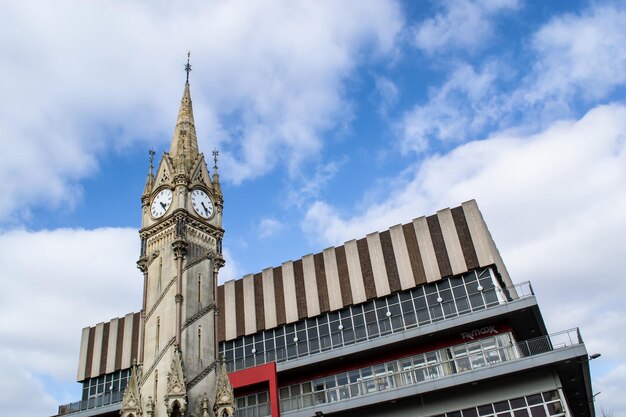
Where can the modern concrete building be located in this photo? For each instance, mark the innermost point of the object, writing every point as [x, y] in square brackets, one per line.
[421, 319]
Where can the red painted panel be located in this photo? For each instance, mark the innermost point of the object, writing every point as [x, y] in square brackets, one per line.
[257, 375]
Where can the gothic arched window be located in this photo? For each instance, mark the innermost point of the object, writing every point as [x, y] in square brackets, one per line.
[176, 410]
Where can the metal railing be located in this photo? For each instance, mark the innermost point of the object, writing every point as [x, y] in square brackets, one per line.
[491, 297]
[94, 402]
[432, 371]
[260, 410]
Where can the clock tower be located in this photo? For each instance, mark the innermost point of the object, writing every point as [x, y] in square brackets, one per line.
[181, 254]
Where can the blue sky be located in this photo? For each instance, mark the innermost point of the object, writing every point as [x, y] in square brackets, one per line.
[332, 121]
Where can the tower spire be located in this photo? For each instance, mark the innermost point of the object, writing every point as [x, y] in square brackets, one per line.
[188, 66]
[184, 148]
[150, 180]
[216, 177]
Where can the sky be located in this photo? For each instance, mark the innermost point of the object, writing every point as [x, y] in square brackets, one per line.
[333, 120]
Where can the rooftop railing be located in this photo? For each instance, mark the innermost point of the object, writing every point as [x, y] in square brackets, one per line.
[102, 400]
[465, 358]
[260, 410]
[438, 307]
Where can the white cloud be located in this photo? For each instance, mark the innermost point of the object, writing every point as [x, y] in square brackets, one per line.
[576, 59]
[231, 269]
[554, 202]
[464, 105]
[388, 92]
[269, 227]
[580, 54]
[50, 280]
[463, 24]
[23, 394]
[307, 188]
[611, 399]
[82, 79]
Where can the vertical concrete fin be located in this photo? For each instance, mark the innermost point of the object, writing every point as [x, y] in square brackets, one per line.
[451, 239]
[230, 312]
[127, 341]
[332, 279]
[425, 244]
[269, 300]
[381, 281]
[479, 228]
[259, 303]
[249, 304]
[289, 293]
[354, 272]
[401, 252]
[82, 357]
[97, 351]
[310, 286]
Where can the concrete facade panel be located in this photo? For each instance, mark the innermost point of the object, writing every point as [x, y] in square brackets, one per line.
[127, 342]
[332, 279]
[82, 356]
[310, 286]
[230, 312]
[354, 272]
[97, 350]
[269, 303]
[453, 244]
[401, 252]
[289, 291]
[479, 233]
[381, 281]
[112, 346]
[250, 304]
[425, 244]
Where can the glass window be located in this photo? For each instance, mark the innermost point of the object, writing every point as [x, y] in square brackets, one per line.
[307, 396]
[501, 406]
[418, 292]
[538, 411]
[470, 412]
[550, 396]
[554, 408]
[485, 410]
[420, 302]
[422, 316]
[518, 402]
[318, 387]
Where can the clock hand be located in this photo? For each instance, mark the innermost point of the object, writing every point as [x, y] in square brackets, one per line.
[162, 205]
[206, 211]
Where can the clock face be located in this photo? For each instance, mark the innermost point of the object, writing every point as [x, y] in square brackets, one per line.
[161, 203]
[202, 203]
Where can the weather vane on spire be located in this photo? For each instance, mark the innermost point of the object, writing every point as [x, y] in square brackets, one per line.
[215, 155]
[188, 66]
[151, 158]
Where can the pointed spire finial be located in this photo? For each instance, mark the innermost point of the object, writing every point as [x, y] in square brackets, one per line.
[188, 66]
[216, 153]
[149, 181]
[151, 158]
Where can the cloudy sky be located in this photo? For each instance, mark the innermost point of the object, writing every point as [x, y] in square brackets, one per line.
[333, 120]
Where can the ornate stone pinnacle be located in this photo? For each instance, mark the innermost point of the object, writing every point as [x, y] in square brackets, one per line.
[216, 153]
[151, 159]
[188, 66]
